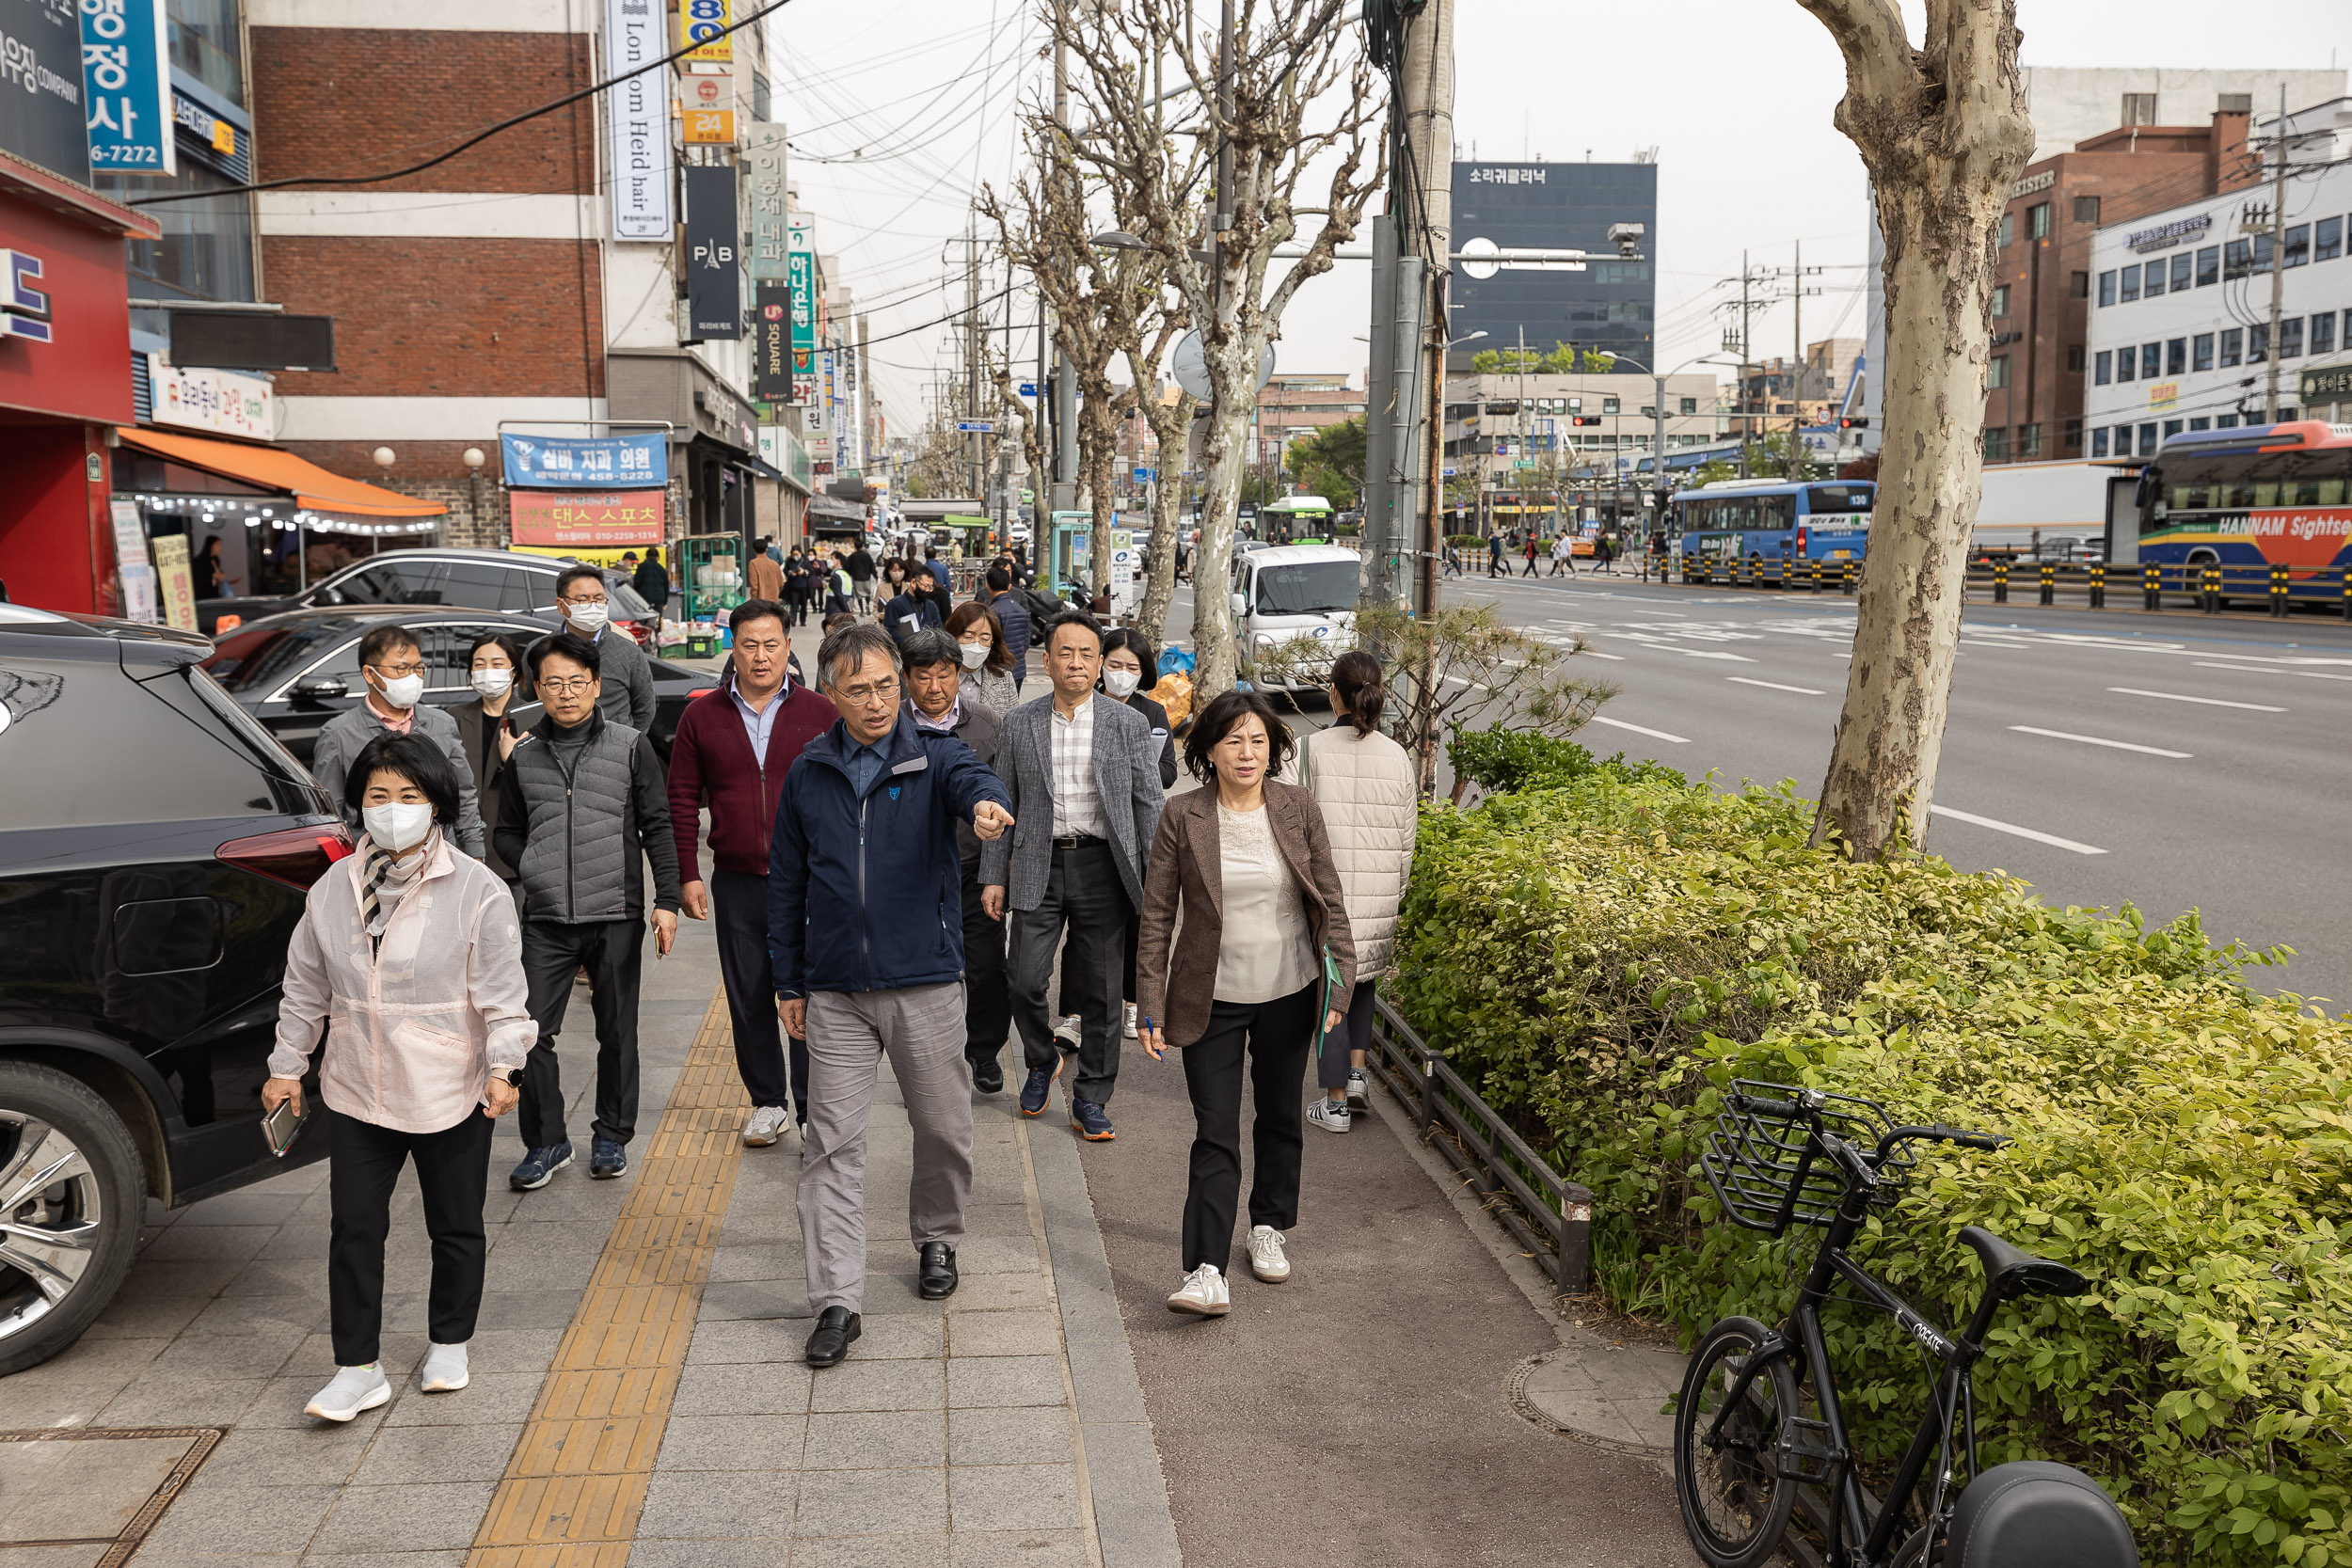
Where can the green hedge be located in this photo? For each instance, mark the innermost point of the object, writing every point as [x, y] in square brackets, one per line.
[1601, 957]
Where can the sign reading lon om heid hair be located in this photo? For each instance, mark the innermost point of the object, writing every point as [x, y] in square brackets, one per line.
[593, 519]
[714, 276]
[639, 109]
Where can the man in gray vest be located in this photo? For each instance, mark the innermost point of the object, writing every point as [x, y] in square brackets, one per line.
[584, 803]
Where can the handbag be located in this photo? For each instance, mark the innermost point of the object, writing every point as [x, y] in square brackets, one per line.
[1322, 999]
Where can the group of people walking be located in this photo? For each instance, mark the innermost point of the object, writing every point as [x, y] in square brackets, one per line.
[901, 861]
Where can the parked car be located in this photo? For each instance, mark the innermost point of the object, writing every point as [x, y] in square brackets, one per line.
[294, 671]
[155, 847]
[467, 579]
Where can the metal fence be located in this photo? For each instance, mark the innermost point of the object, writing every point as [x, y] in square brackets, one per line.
[1550, 1216]
[1818, 576]
[2208, 586]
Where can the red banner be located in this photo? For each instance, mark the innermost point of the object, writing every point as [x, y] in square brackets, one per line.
[593, 519]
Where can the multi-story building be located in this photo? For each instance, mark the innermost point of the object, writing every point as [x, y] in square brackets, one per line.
[2182, 334]
[1813, 390]
[1291, 405]
[1611, 304]
[1510, 433]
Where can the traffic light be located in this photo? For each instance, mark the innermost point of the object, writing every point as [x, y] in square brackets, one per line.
[1853, 424]
[1585, 418]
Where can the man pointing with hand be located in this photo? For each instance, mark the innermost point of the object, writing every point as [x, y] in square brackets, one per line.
[865, 936]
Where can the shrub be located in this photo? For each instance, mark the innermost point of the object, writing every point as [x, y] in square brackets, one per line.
[1601, 957]
[1498, 760]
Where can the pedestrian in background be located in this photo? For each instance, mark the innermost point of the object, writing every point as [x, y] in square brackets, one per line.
[1530, 554]
[1563, 556]
[906, 611]
[652, 580]
[584, 806]
[1494, 555]
[1370, 793]
[1241, 915]
[931, 583]
[938, 700]
[407, 961]
[763, 576]
[862, 866]
[733, 756]
[391, 669]
[1013, 620]
[860, 566]
[626, 679]
[1084, 776]
[840, 589]
[490, 724]
[985, 660]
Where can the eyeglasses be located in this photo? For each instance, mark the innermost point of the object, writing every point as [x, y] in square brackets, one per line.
[570, 686]
[880, 691]
[393, 671]
[584, 598]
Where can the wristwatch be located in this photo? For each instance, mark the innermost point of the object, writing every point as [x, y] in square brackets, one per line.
[507, 1075]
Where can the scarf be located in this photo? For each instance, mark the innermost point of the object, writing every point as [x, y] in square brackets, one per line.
[383, 882]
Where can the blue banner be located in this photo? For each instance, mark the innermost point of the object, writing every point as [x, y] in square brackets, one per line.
[126, 84]
[585, 462]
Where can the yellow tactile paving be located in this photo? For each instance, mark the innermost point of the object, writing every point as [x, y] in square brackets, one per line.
[577, 1482]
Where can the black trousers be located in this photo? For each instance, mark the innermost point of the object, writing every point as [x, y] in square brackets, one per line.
[452, 1173]
[1067, 1003]
[738, 913]
[1354, 1034]
[987, 986]
[1085, 896]
[613, 951]
[1277, 1035]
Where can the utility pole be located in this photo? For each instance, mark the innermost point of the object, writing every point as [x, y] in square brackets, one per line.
[2277, 262]
[1747, 433]
[1796, 372]
[972, 356]
[1428, 79]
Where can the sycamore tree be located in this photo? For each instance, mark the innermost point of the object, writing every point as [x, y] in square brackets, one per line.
[1170, 418]
[1942, 127]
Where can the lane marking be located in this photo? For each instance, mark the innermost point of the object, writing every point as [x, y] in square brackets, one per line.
[1805, 690]
[2096, 741]
[1595, 653]
[2271, 670]
[1654, 735]
[1978, 639]
[2209, 702]
[2039, 837]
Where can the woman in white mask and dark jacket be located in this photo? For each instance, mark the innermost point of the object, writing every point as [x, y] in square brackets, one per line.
[409, 957]
[490, 724]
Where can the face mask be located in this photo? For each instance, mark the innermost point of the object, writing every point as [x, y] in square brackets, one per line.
[397, 827]
[975, 655]
[588, 619]
[493, 682]
[1120, 683]
[402, 691]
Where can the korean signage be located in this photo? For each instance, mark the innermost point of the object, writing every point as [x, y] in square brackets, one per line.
[126, 81]
[2327, 384]
[24, 303]
[639, 112]
[223, 402]
[801, 267]
[2164, 394]
[2165, 235]
[1489, 174]
[764, 168]
[592, 519]
[772, 343]
[175, 582]
[208, 128]
[585, 462]
[714, 272]
[41, 114]
[702, 29]
[709, 127]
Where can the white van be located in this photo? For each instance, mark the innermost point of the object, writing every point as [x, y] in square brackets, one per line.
[1284, 592]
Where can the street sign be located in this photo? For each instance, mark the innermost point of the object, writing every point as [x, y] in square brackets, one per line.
[976, 427]
[1144, 474]
[1028, 389]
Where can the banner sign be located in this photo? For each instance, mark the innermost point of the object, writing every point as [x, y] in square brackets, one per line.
[2327, 384]
[175, 583]
[772, 343]
[585, 462]
[41, 114]
[764, 168]
[221, 401]
[640, 110]
[709, 128]
[702, 28]
[126, 80]
[596, 519]
[714, 273]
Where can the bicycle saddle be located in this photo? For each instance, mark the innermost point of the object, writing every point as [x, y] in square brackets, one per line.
[2014, 1273]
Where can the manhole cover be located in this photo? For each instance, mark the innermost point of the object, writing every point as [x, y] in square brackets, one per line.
[87, 1498]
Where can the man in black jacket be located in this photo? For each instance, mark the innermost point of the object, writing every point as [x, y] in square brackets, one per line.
[585, 802]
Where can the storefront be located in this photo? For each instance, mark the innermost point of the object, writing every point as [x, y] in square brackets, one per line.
[593, 498]
[714, 439]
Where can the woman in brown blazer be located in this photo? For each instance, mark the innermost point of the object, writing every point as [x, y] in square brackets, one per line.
[1247, 866]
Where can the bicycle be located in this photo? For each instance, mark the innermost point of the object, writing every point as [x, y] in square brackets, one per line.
[1746, 1455]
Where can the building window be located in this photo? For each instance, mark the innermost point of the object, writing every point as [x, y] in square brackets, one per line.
[2126, 364]
[2201, 422]
[2139, 108]
[1689, 406]
[2008, 228]
[2098, 443]
[1609, 405]
[2038, 221]
[2291, 338]
[2232, 347]
[2131, 284]
[2233, 103]
[2107, 287]
[2000, 300]
[2238, 258]
[2122, 440]
[2298, 247]
[2172, 428]
[2200, 352]
[2148, 440]
[2087, 209]
[2073, 435]
[2209, 266]
[2155, 279]
[2028, 440]
[2225, 422]
[1997, 444]
[2258, 343]
[1996, 373]
[2262, 252]
[2324, 333]
[2327, 239]
[2103, 367]
[2078, 285]
[2180, 271]
[2287, 412]
[2175, 356]
[2074, 358]
[2150, 361]
[206, 249]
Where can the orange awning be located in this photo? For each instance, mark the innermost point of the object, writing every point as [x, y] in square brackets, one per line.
[311, 486]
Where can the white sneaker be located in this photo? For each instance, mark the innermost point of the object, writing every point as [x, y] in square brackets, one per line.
[1202, 1294]
[355, 1389]
[1359, 1091]
[1330, 1115]
[766, 1126]
[790, 1136]
[1265, 1255]
[1131, 1021]
[444, 1369]
[1070, 1032]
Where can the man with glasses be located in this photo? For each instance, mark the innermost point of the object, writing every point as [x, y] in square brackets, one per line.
[865, 930]
[587, 611]
[585, 805]
[392, 666]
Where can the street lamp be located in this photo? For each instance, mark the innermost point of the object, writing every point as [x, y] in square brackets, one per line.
[1657, 413]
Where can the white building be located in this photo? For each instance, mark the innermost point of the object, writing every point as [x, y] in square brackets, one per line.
[2181, 322]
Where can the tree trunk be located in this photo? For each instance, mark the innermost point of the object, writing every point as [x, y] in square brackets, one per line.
[1098, 454]
[1223, 455]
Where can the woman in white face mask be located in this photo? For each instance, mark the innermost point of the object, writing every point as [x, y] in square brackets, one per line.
[987, 677]
[490, 722]
[410, 958]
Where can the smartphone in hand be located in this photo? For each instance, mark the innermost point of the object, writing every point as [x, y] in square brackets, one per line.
[281, 1127]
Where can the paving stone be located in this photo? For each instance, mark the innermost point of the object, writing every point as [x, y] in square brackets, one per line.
[1032, 1434]
[1025, 1332]
[175, 1280]
[756, 1260]
[513, 1349]
[299, 1312]
[715, 1553]
[875, 1440]
[871, 1502]
[753, 1339]
[873, 1551]
[247, 1206]
[689, 1504]
[258, 1352]
[400, 1353]
[1005, 1380]
[774, 1389]
[1026, 1549]
[857, 1385]
[755, 1299]
[284, 1278]
[157, 1400]
[144, 1317]
[212, 1243]
[996, 1219]
[401, 1456]
[997, 1255]
[1015, 1496]
[991, 1292]
[281, 1401]
[733, 1443]
[236, 1522]
[487, 1398]
[84, 1556]
[282, 1456]
[449, 1558]
[413, 1517]
[58, 1491]
[899, 1336]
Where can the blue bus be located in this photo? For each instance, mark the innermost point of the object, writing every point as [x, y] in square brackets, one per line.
[1754, 528]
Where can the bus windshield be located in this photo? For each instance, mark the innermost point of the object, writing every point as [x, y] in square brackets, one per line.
[1309, 588]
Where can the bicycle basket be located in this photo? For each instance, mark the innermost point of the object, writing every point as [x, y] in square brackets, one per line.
[1756, 1161]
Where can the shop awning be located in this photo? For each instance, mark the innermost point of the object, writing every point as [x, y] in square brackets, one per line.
[311, 486]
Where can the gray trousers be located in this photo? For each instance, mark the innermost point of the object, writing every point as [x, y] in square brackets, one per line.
[921, 1031]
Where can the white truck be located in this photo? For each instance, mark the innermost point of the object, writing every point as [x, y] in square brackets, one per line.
[2044, 510]
[1287, 591]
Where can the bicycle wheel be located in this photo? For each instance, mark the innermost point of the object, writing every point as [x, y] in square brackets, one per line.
[1735, 1501]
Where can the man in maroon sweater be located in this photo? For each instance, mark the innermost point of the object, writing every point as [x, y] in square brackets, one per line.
[733, 748]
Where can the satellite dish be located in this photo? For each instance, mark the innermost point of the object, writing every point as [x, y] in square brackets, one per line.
[1192, 366]
[1471, 255]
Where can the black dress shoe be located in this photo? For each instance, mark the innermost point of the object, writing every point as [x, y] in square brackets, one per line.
[829, 1341]
[988, 1076]
[936, 1278]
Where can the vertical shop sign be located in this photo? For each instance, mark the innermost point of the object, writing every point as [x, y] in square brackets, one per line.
[131, 564]
[772, 343]
[702, 28]
[178, 586]
[126, 82]
[764, 165]
[714, 244]
[640, 110]
[801, 267]
[42, 115]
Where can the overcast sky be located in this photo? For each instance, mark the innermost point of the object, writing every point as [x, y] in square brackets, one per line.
[912, 100]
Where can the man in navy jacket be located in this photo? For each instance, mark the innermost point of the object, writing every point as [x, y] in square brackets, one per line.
[866, 937]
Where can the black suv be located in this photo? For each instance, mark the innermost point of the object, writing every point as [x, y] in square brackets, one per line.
[429, 576]
[155, 848]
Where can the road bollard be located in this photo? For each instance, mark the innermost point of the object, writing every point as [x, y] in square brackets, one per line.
[2049, 583]
[2000, 582]
[1851, 577]
[2211, 582]
[2152, 587]
[2099, 585]
[2343, 582]
[2278, 592]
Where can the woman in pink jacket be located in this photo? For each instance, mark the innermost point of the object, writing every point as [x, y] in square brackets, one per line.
[409, 956]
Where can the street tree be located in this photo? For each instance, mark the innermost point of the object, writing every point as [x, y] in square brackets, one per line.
[1942, 127]
[1170, 418]
[1028, 434]
[1329, 462]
